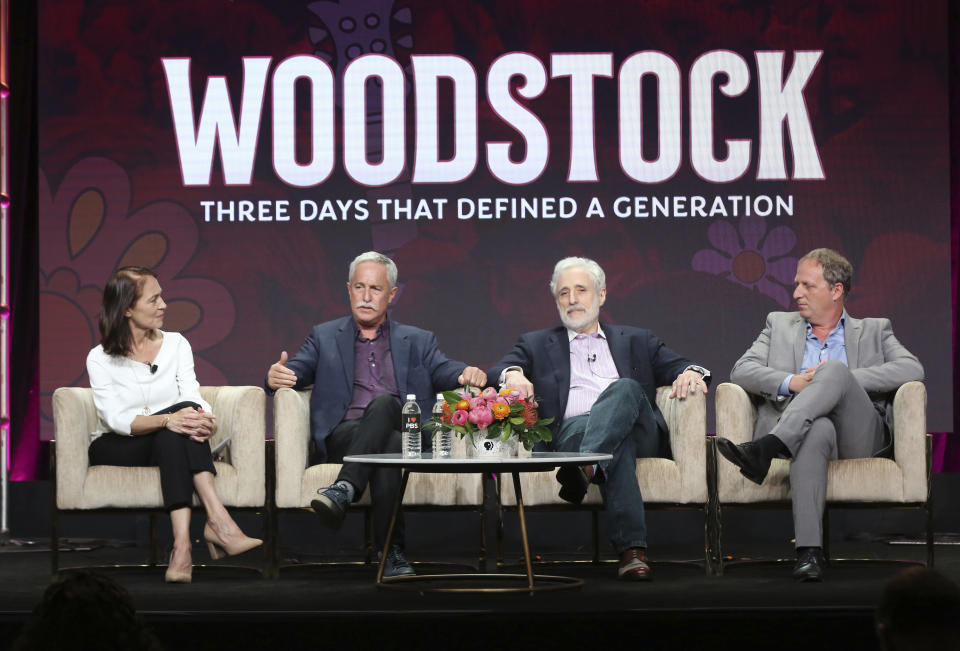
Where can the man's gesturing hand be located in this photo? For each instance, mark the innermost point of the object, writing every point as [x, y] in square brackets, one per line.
[473, 376]
[279, 375]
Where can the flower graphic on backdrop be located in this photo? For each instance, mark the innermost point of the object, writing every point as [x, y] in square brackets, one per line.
[88, 229]
[753, 257]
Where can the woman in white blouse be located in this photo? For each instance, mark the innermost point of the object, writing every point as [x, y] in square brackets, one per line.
[151, 413]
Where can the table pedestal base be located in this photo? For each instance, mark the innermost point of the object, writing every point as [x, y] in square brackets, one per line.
[534, 582]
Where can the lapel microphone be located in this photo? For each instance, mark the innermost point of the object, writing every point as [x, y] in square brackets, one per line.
[592, 358]
[153, 367]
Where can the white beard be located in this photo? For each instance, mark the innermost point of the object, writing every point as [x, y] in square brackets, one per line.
[589, 315]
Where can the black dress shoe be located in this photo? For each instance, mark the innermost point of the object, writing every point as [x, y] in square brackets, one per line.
[809, 567]
[753, 463]
[573, 484]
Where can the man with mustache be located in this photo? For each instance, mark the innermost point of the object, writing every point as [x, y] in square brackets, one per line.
[825, 384]
[598, 381]
[360, 367]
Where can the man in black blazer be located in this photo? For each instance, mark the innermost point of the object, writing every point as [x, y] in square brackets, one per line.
[360, 367]
[599, 381]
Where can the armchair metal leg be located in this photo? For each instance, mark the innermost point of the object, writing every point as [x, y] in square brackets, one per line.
[153, 539]
[54, 546]
[928, 508]
[826, 534]
[595, 522]
[713, 556]
[368, 536]
[54, 532]
[271, 551]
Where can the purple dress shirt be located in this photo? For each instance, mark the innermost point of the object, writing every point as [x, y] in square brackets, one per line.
[373, 373]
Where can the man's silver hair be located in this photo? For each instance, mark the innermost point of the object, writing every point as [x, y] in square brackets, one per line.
[588, 265]
[379, 258]
[836, 268]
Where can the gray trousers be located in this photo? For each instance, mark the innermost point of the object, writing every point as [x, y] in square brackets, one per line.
[832, 418]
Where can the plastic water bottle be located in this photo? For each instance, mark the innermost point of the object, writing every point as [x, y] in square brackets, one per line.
[411, 428]
[442, 442]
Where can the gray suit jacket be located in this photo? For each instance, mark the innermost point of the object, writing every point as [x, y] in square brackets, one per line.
[878, 361]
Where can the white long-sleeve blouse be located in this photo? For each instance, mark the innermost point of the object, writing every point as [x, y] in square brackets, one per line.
[124, 389]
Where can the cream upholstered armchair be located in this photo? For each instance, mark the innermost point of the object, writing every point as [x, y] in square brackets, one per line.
[297, 481]
[80, 487]
[903, 481]
[679, 482]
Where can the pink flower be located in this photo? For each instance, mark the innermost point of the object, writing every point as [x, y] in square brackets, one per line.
[489, 394]
[502, 401]
[477, 403]
[481, 416]
[459, 417]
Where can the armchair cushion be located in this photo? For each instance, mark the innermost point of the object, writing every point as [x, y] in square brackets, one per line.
[901, 480]
[239, 483]
[298, 482]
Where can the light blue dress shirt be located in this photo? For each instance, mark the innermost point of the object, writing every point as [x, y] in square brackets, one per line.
[834, 347]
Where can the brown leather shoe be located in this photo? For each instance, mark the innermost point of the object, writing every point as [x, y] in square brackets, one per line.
[633, 565]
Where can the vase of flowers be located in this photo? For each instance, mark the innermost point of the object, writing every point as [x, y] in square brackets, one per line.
[495, 423]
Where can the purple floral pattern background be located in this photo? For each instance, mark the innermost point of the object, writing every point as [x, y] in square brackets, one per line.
[751, 256]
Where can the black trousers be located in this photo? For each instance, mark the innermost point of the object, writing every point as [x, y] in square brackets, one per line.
[178, 457]
[374, 432]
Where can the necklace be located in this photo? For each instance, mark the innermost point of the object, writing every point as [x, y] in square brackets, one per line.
[146, 396]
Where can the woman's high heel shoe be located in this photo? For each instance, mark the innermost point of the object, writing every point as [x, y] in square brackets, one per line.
[219, 549]
[178, 576]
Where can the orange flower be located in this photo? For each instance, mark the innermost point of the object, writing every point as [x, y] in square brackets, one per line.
[447, 413]
[463, 405]
[501, 411]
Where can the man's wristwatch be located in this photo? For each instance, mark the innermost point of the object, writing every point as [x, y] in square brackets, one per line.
[704, 373]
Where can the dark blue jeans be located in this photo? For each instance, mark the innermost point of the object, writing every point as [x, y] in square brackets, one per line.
[620, 423]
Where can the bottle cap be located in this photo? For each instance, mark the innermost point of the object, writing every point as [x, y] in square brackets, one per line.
[439, 396]
[411, 396]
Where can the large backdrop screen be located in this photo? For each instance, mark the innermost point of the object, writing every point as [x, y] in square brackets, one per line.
[249, 150]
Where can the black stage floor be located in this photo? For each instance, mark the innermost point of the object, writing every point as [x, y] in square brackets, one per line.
[751, 606]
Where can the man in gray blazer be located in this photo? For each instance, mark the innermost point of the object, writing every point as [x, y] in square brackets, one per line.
[824, 383]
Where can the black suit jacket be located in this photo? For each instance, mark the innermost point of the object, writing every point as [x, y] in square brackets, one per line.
[544, 356]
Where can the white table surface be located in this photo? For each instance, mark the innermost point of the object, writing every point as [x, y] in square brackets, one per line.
[536, 461]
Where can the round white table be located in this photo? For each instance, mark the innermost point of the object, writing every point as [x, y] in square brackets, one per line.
[536, 462]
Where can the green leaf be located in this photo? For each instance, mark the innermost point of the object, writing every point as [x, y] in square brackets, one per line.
[516, 421]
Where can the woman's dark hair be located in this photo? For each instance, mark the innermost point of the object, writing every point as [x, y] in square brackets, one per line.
[121, 293]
